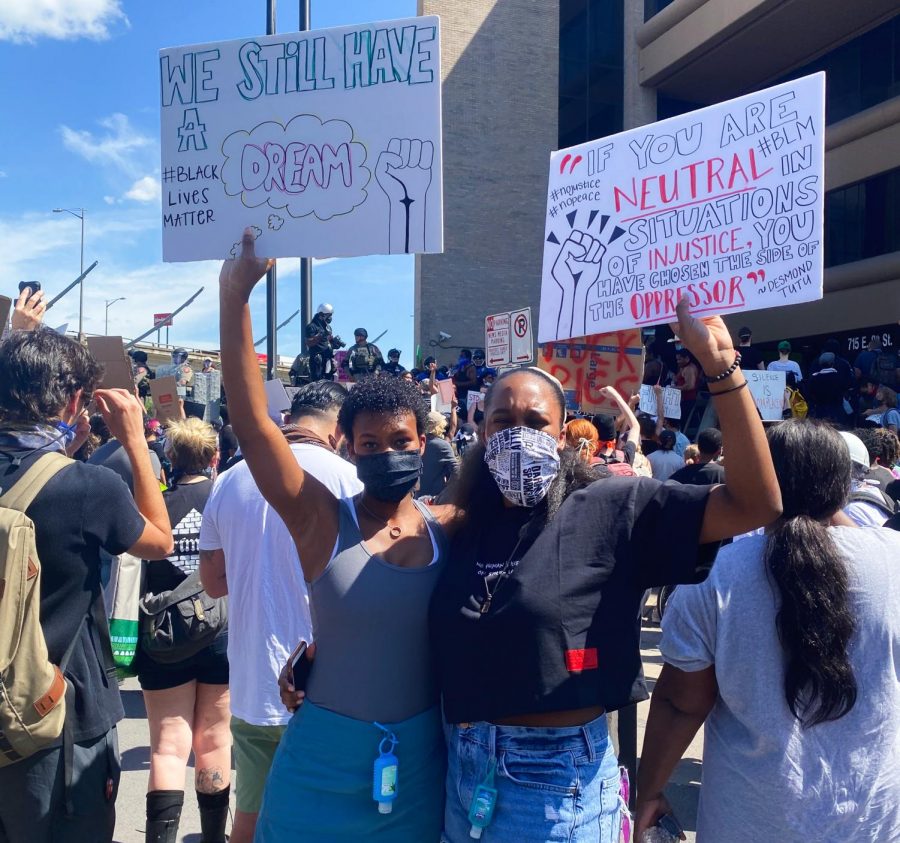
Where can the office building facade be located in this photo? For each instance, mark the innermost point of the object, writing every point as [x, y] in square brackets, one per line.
[625, 63]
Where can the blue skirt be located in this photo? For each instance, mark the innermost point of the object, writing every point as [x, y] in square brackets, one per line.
[320, 784]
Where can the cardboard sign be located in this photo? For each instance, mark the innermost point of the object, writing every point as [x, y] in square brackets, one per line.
[326, 142]
[586, 365]
[671, 402]
[5, 309]
[445, 392]
[110, 353]
[164, 392]
[723, 205]
[767, 389]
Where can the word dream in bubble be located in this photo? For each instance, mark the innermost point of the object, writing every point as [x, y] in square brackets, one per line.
[327, 143]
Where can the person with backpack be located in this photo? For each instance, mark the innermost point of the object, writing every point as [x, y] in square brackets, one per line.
[867, 505]
[886, 368]
[364, 358]
[59, 760]
[619, 461]
[885, 413]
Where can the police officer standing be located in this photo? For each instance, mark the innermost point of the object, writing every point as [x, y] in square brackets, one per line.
[320, 345]
[364, 358]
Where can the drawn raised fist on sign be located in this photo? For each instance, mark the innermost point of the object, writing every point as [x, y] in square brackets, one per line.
[576, 270]
[404, 173]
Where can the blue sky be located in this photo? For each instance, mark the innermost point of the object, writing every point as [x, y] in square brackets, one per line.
[81, 129]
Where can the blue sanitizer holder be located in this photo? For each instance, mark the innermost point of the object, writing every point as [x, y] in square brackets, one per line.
[384, 774]
[481, 811]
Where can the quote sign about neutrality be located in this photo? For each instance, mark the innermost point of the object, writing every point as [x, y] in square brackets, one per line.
[723, 205]
[327, 143]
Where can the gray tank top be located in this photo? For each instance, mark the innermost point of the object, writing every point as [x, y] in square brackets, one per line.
[370, 622]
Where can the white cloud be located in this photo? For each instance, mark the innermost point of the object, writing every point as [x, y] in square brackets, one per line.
[59, 19]
[111, 200]
[2, 174]
[122, 147]
[145, 189]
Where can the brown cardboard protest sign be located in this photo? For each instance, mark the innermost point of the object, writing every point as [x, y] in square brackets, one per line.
[165, 398]
[110, 353]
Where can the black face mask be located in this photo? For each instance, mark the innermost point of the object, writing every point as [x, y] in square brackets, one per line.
[389, 476]
[327, 318]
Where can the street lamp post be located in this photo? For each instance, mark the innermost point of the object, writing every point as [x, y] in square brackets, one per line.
[109, 304]
[79, 215]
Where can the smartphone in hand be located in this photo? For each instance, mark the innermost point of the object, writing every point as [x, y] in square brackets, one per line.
[34, 286]
[300, 666]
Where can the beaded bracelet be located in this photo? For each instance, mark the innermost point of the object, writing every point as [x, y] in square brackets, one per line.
[728, 372]
[730, 389]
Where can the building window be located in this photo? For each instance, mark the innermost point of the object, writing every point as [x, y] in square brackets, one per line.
[862, 220]
[861, 73]
[591, 78]
[654, 7]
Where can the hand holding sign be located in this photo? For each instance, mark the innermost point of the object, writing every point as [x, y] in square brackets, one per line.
[707, 338]
[239, 275]
[576, 269]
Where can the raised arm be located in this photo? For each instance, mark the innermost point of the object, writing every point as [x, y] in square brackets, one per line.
[750, 497]
[634, 430]
[660, 409]
[308, 509]
[123, 414]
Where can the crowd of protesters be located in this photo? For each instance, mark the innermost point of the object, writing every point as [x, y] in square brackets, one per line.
[470, 584]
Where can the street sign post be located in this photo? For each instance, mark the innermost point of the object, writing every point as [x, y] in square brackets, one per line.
[508, 338]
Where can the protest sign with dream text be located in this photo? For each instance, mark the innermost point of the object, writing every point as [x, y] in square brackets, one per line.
[326, 143]
[722, 205]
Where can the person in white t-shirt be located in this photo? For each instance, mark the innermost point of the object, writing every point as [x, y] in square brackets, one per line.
[788, 653]
[665, 461]
[785, 364]
[247, 552]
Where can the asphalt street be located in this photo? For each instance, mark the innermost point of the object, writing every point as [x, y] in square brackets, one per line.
[134, 742]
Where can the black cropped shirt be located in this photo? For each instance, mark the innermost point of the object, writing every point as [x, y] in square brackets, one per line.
[563, 628]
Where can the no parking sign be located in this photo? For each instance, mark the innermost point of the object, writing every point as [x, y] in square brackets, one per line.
[508, 338]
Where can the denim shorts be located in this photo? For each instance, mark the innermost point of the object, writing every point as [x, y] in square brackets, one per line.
[552, 783]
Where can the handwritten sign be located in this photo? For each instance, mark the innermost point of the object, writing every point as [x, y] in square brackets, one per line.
[327, 143]
[164, 391]
[586, 365]
[110, 353]
[723, 205]
[671, 402]
[767, 389]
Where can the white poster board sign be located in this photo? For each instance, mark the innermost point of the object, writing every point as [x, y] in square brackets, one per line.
[723, 205]
[671, 402]
[508, 338]
[277, 400]
[767, 389]
[327, 143]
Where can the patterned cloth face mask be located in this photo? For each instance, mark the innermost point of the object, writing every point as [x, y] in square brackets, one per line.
[524, 463]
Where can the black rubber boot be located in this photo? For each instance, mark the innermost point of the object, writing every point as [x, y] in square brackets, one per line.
[213, 815]
[163, 814]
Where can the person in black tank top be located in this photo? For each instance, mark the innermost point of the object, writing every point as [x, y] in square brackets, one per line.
[320, 786]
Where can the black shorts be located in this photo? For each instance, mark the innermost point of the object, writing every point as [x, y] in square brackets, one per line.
[209, 666]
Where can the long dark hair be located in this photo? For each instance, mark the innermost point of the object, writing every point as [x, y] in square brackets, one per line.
[815, 623]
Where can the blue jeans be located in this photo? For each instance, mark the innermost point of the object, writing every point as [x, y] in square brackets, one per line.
[552, 783]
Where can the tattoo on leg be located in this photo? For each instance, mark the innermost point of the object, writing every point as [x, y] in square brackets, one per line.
[210, 780]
